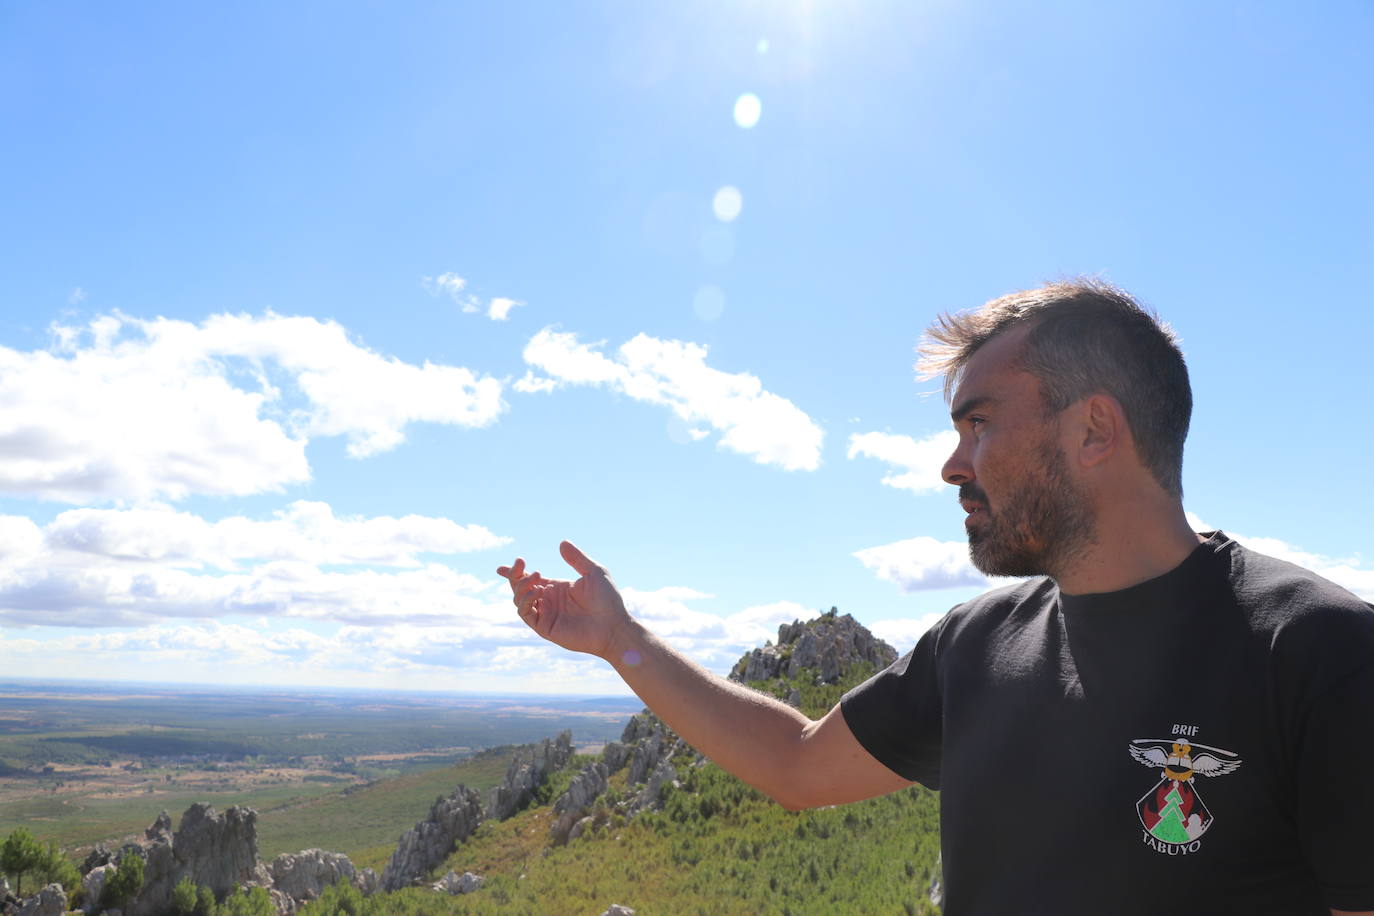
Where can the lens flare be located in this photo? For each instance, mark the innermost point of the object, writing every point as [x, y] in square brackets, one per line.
[709, 302]
[748, 107]
[727, 203]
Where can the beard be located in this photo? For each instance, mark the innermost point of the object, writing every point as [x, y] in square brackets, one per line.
[1040, 527]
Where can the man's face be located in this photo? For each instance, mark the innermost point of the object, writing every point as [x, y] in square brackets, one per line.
[1027, 515]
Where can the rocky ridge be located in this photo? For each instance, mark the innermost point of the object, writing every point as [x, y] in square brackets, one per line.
[829, 645]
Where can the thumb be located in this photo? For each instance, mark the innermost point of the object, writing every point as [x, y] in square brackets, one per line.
[578, 560]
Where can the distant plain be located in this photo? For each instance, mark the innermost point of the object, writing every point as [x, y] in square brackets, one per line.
[82, 763]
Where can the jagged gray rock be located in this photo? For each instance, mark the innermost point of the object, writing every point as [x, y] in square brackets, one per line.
[281, 902]
[569, 808]
[663, 773]
[50, 901]
[616, 909]
[215, 850]
[218, 851]
[93, 882]
[647, 753]
[761, 664]
[615, 755]
[527, 771]
[454, 883]
[583, 789]
[303, 876]
[829, 642]
[640, 726]
[429, 842]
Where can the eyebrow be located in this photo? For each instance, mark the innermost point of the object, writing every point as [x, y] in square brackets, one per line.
[971, 405]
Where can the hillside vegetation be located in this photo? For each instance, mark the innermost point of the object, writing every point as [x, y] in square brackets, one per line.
[713, 845]
[646, 822]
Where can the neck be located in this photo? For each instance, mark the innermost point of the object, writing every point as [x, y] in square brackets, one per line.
[1137, 540]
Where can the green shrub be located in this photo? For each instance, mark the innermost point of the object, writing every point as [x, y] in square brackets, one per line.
[19, 855]
[124, 884]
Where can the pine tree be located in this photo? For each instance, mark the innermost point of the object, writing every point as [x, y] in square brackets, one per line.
[1170, 828]
[19, 855]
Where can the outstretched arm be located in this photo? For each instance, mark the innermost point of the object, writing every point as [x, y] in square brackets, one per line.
[799, 762]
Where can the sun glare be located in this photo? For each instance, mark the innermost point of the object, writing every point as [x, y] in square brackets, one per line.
[748, 107]
[727, 203]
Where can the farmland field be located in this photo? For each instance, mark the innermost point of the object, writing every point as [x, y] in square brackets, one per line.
[82, 763]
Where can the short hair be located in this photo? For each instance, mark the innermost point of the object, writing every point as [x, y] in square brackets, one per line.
[1086, 337]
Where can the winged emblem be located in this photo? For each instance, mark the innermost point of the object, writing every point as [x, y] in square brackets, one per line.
[1173, 812]
[1181, 760]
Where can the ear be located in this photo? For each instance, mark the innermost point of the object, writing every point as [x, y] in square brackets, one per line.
[1102, 430]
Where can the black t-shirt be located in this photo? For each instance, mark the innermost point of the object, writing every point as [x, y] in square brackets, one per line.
[1199, 743]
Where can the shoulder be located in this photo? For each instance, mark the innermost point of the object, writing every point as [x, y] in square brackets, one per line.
[1305, 619]
[1010, 603]
[1278, 594]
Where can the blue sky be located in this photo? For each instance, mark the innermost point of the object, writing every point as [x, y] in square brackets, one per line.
[313, 314]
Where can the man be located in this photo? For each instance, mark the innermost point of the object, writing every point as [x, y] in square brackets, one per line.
[1158, 721]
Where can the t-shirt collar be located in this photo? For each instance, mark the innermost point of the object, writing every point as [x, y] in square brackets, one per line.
[1152, 591]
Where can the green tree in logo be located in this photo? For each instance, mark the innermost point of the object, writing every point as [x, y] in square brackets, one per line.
[1170, 828]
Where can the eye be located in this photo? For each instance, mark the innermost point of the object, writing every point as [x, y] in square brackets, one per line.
[975, 422]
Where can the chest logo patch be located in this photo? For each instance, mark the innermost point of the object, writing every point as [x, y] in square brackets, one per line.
[1172, 813]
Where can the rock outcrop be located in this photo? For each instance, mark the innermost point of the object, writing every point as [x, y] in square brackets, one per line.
[303, 876]
[663, 773]
[526, 773]
[218, 851]
[830, 643]
[615, 755]
[93, 883]
[572, 805]
[50, 901]
[214, 850]
[454, 883]
[453, 819]
[429, 842]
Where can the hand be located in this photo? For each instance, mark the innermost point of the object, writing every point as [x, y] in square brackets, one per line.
[582, 616]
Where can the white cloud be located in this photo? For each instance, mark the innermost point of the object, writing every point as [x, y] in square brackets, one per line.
[1347, 572]
[456, 288]
[92, 567]
[77, 296]
[533, 384]
[130, 410]
[754, 422]
[714, 641]
[484, 644]
[304, 531]
[903, 633]
[922, 564]
[507, 657]
[449, 284]
[122, 594]
[499, 308]
[919, 461]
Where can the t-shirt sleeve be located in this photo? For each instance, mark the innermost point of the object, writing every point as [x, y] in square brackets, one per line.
[897, 714]
[1336, 791]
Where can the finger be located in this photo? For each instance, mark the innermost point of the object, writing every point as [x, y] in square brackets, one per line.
[525, 607]
[526, 586]
[579, 561]
[512, 572]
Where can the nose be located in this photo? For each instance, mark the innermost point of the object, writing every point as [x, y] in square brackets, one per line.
[958, 468]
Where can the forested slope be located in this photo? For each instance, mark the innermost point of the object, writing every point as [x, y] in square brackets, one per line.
[707, 843]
